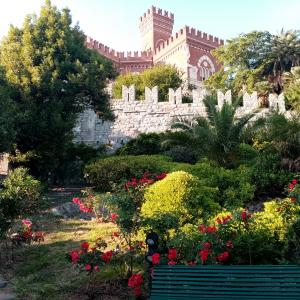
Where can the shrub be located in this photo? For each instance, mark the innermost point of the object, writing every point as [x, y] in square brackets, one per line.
[145, 143]
[106, 173]
[234, 187]
[178, 199]
[182, 154]
[20, 196]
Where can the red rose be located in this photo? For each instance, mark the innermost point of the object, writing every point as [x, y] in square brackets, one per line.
[202, 228]
[76, 200]
[223, 256]
[88, 267]
[211, 229]
[106, 257]
[74, 256]
[155, 258]
[85, 245]
[291, 186]
[244, 215]
[172, 263]
[137, 291]
[293, 199]
[113, 217]
[136, 280]
[204, 255]
[229, 244]
[294, 181]
[172, 253]
[207, 245]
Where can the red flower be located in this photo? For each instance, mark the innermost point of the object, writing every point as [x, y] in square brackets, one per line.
[202, 228]
[116, 234]
[136, 280]
[293, 199]
[161, 176]
[172, 263]
[27, 223]
[155, 258]
[106, 257]
[172, 253]
[223, 256]
[211, 229]
[131, 248]
[113, 217]
[76, 200]
[204, 255]
[27, 234]
[294, 181]
[88, 267]
[229, 244]
[192, 263]
[291, 186]
[85, 245]
[137, 291]
[245, 216]
[74, 256]
[207, 245]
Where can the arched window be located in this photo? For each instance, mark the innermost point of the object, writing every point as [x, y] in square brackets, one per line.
[206, 67]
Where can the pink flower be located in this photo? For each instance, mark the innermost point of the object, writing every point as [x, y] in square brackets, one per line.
[96, 268]
[27, 223]
[76, 200]
[172, 263]
[88, 267]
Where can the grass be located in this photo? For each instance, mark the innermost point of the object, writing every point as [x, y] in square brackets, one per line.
[41, 271]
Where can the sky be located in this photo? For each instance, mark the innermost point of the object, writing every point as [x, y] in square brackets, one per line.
[115, 22]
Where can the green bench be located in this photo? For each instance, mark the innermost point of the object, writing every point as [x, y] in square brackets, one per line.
[218, 282]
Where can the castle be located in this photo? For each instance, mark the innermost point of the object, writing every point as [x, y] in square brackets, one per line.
[189, 49]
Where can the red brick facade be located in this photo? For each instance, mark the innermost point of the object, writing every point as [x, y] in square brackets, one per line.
[189, 49]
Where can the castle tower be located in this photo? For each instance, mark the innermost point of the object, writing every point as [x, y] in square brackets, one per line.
[155, 26]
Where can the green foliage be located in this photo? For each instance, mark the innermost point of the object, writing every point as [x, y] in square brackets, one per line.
[20, 196]
[182, 154]
[106, 173]
[163, 76]
[217, 137]
[54, 76]
[180, 197]
[292, 88]
[256, 60]
[7, 117]
[233, 185]
[145, 143]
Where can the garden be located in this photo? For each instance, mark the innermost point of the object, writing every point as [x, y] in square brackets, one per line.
[80, 222]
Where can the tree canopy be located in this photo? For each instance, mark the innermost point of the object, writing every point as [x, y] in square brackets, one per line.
[163, 76]
[256, 61]
[54, 76]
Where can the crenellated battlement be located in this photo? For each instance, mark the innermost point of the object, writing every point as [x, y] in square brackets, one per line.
[203, 36]
[115, 55]
[156, 11]
[133, 117]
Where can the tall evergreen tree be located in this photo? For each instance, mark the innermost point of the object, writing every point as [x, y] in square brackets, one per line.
[54, 77]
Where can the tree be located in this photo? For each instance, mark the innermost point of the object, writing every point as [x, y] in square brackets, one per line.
[216, 137]
[7, 117]
[54, 78]
[163, 76]
[256, 61]
[292, 88]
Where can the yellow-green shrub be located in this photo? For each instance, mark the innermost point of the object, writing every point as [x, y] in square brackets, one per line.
[178, 199]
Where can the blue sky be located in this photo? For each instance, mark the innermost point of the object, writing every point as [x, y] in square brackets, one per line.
[115, 22]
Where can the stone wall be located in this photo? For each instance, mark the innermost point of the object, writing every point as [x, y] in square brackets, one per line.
[133, 117]
[3, 164]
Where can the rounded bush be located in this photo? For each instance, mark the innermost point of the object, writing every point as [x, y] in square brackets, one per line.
[181, 196]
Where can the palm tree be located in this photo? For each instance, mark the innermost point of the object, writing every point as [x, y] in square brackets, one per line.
[216, 137]
[285, 53]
